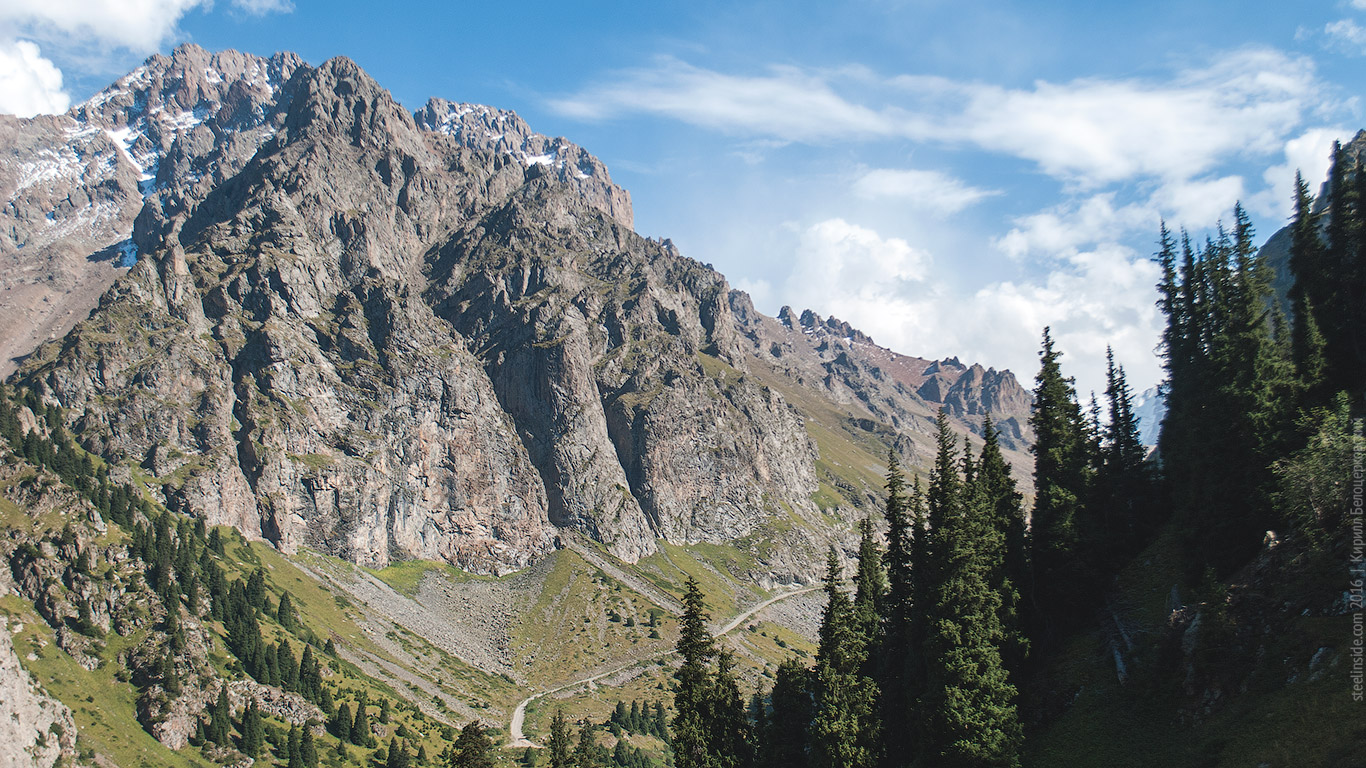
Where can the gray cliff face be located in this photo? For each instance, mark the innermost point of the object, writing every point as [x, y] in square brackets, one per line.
[273, 364]
[154, 143]
[379, 335]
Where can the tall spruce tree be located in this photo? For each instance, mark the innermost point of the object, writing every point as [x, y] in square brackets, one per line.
[968, 701]
[560, 746]
[1061, 485]
[253, 730]
[473, 748]
[997, 497]
[729, 736]
[894, 659]
[692, 696]
[870, 587]
[786, 740]
[845, 731]
[220, 719]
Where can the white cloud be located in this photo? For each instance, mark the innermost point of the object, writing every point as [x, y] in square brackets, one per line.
[1099, 297]
[1197, 203]
[1093, 132]
[889, 289]
[854, 273]
[927, 190]
[263, 7]
[1310, 154]
[139, 25]
[1347, 35]
[29, 83]
[1065, 229]
[787, 103]
[1089, 132]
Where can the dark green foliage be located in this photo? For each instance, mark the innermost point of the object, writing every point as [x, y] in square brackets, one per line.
[252, 730]
[870, 587]
[1063, 587]
[285, 614]
[361, 735]
[308, 751]
[640, 718]
[294, 757]
[473, 749]
[1232, 390]
[968, 702]
[560, 747]
[1008, 551]
[220, 722]
[166, 674]
[710, 729]
[786, 740]
[845, 728]
[1314, 482]
[340, 724]
[398, 756]
[587, 753]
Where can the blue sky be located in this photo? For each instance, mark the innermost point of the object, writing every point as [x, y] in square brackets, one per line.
[947, 176]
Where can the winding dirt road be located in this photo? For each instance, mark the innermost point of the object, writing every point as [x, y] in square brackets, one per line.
[517, 739]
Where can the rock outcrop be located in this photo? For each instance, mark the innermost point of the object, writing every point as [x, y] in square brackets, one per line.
[37, 730]
[153, 143]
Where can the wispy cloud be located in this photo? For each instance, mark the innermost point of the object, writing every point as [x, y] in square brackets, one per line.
[1087, 132]
[1347, 36]
[263, 7]
[786, 103]
[1065, 229]
[926, 190]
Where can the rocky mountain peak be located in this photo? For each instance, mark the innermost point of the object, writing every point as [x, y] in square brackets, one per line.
[504, 134]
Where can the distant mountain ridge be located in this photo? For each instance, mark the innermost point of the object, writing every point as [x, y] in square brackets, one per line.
[382, 334]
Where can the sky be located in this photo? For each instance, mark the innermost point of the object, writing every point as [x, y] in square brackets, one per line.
[949, 177]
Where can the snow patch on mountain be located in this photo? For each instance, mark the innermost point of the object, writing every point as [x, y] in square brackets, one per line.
[1150, 407]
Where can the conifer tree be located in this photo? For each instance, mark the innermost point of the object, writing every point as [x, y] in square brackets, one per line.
[398, 755]
[586, 753]
[692, 698]
[253, 730]
[998, 498]
[968, 702]
[786, 740]
[220, 722]
[560, 747]
[285, 612]
[870, 586]
[308, 751]
[893, 661]
[294, 755]
[473, 749]
[729, 735]
[844, 730]
[341, 722]
[1061, 486]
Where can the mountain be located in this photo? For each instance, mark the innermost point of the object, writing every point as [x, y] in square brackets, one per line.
[1150, 407]
[158, 140]
[389, 335]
